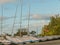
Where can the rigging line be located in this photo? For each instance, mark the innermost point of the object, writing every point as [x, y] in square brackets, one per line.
[28, 16]
[14, 20]
[21, 1]
[2, 20]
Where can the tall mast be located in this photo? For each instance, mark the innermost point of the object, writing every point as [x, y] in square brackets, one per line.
[14, 20]
[2, 20]
[21, 2]
[28, 16]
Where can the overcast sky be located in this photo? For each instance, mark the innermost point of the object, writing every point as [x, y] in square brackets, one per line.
[40, 13]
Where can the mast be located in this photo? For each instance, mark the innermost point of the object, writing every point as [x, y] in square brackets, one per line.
[21, 2]
[14, 20]
[2, 19]
[28, 16]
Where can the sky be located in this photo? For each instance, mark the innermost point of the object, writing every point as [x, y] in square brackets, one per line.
[40, 13]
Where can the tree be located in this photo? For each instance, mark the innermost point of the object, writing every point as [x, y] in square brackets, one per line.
[33, 32]
[23, 32]
[53, 28]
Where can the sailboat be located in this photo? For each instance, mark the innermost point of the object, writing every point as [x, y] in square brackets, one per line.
[12, 38]
[2, 39]
[26, 38]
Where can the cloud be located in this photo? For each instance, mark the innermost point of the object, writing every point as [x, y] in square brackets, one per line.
[5, 18]
[1, 17]
[43, 1]
[6, 1]
[39, 16]
[41, 23]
